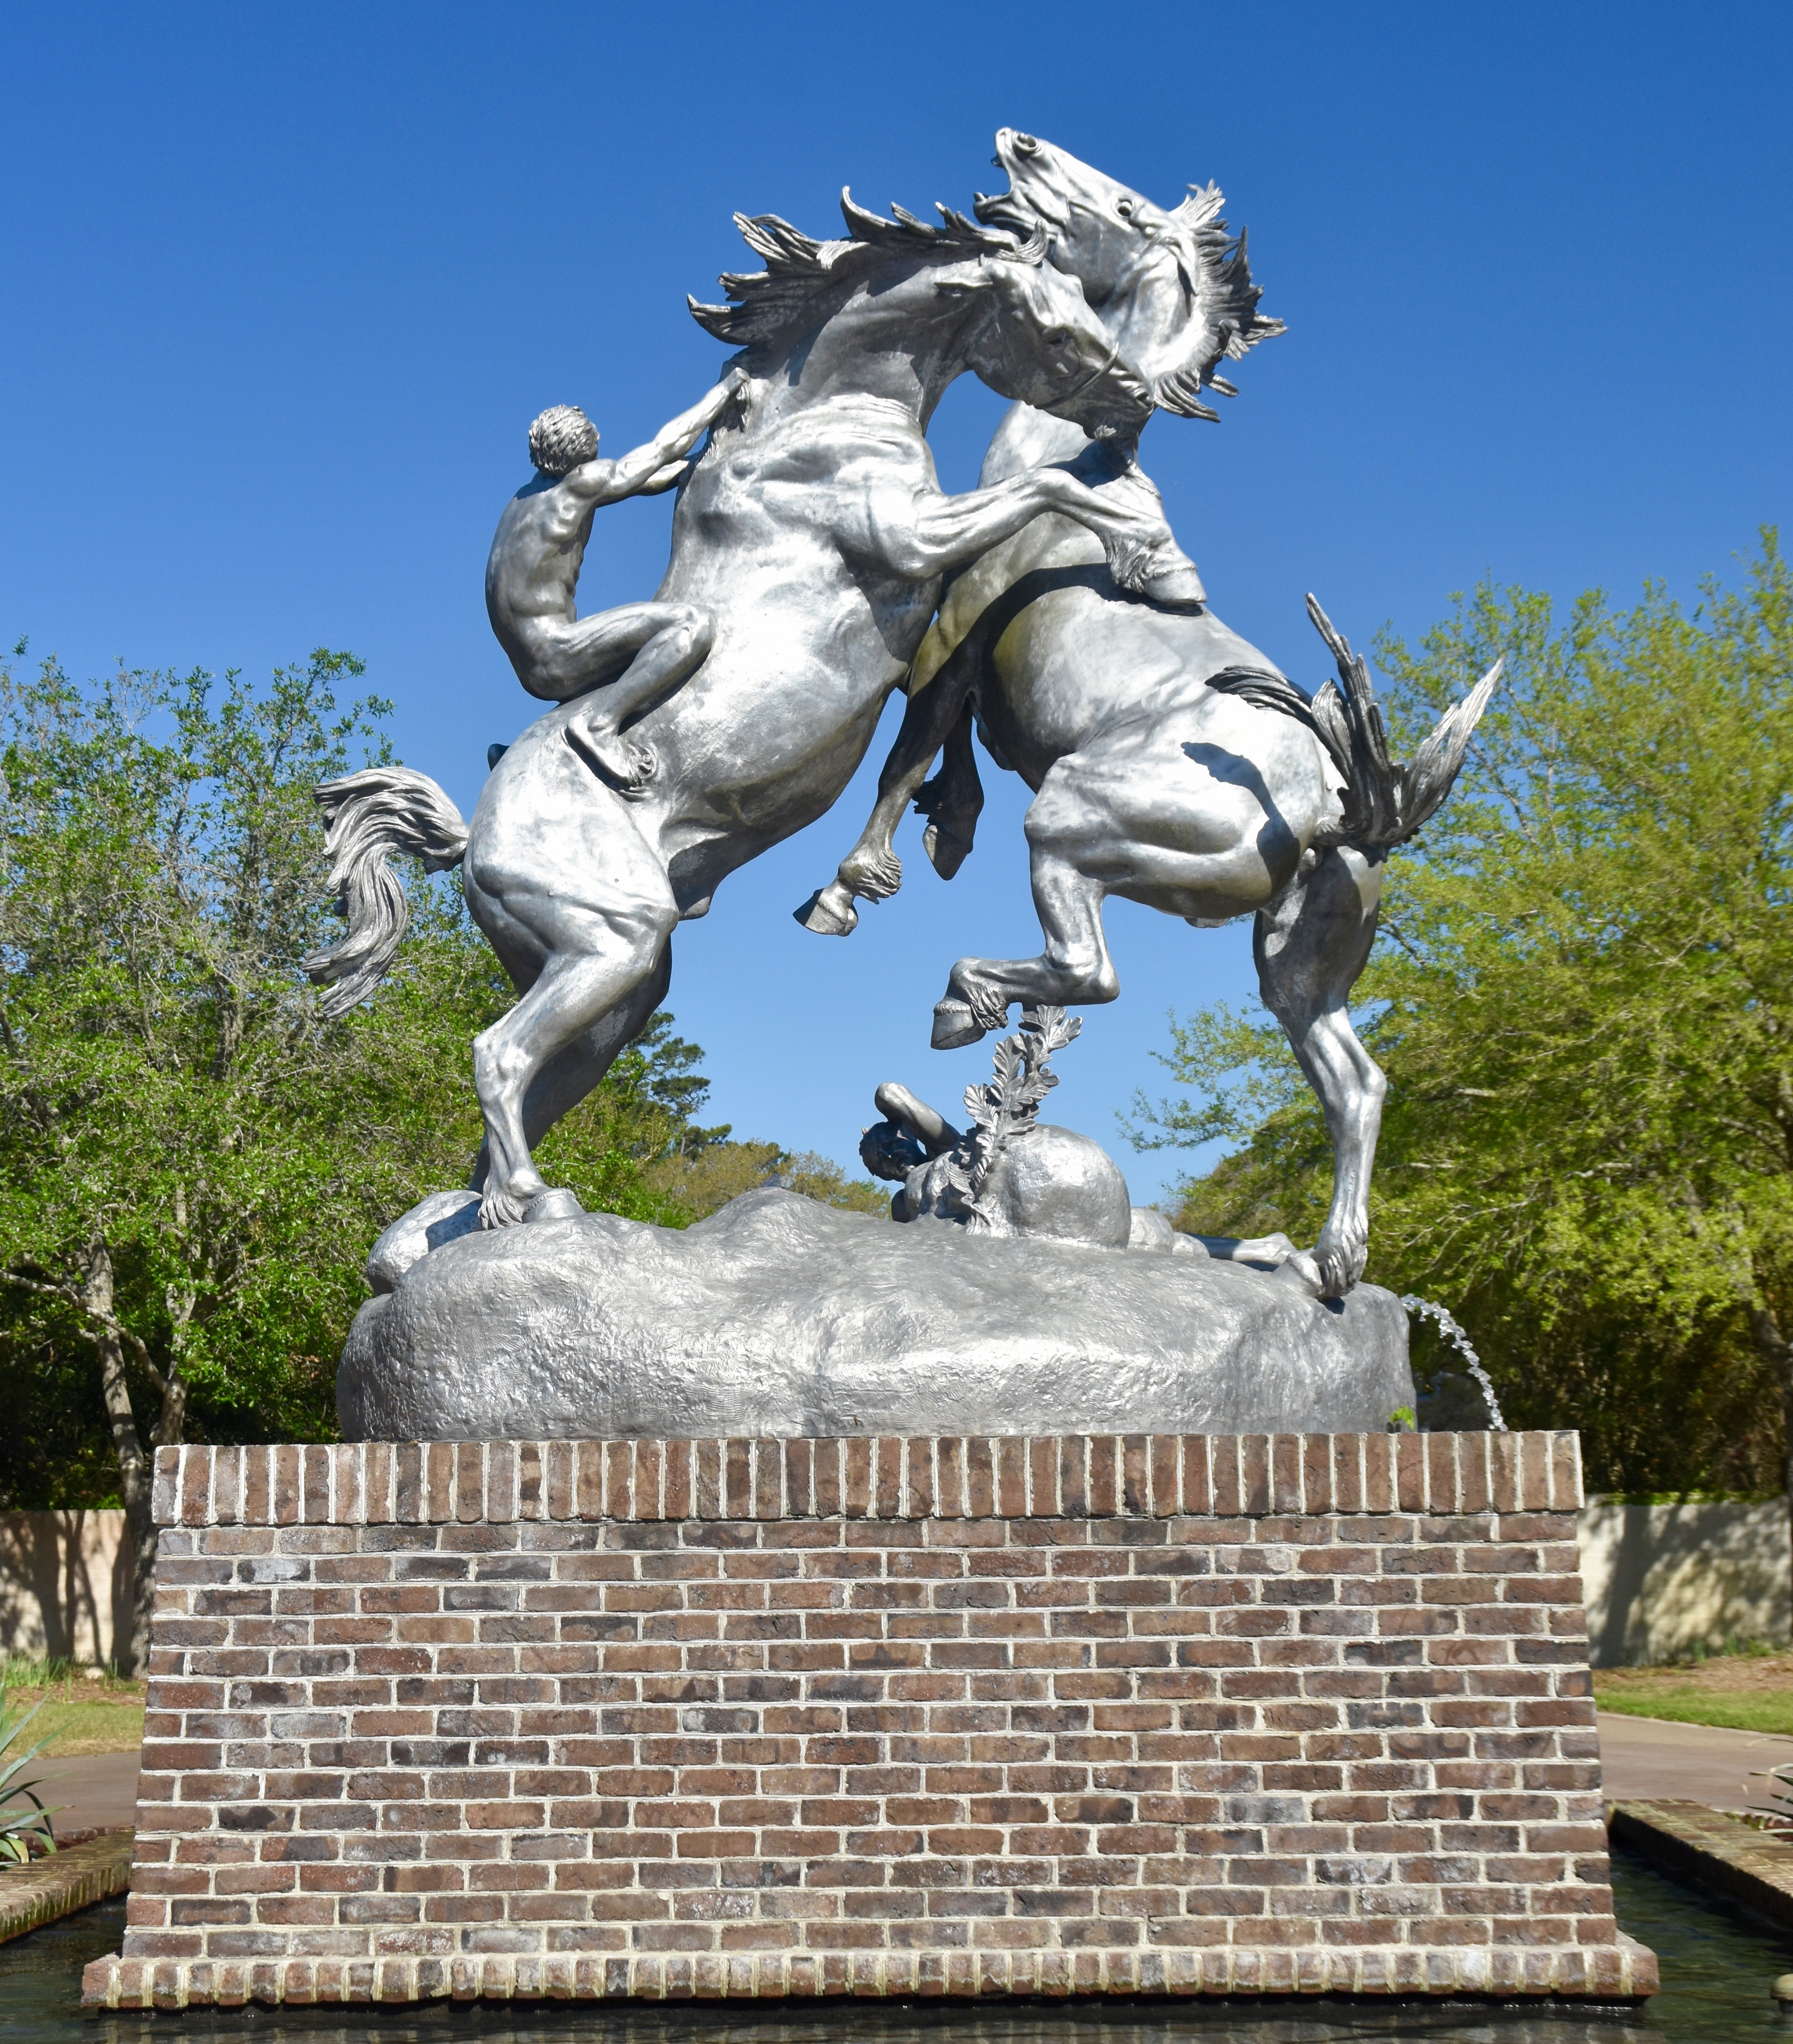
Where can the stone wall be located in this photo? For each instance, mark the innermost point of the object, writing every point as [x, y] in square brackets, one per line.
[791, 1717]
[1661, 1581]
[65, 1584]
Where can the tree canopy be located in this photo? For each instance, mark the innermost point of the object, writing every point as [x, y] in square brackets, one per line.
[194, 1162]
[1582, 998]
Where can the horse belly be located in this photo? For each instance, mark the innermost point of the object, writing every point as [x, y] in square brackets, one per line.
[766, 736]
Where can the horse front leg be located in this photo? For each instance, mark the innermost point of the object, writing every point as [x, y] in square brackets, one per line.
[1311, 944]
[952, 801]
[871, 871]
[921, 534]
[1075, 969]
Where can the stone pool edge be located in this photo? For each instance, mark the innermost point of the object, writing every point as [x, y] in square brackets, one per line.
[1695, 1842]
[74, 1877]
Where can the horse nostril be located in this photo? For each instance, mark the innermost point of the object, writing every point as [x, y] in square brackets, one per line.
[1025, 145]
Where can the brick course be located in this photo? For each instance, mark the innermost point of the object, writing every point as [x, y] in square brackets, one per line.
[1209, 1714]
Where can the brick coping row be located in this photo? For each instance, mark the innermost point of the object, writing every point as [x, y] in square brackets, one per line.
[1161, 1475]
[1619, 1972]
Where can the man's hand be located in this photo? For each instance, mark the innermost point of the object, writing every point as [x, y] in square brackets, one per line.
[658, 463]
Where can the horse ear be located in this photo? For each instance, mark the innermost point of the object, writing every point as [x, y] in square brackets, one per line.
[962, 279]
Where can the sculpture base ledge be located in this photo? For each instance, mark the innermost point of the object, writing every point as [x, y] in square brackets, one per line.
[1197, 1716]
[1609, 1974]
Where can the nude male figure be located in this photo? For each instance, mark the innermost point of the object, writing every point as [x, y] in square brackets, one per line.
[639, 653]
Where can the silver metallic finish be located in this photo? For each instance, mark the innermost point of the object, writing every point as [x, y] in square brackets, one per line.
[1009, 1173]
[643, 651]
[1172, 763]
[811, 534]
[779, 1316]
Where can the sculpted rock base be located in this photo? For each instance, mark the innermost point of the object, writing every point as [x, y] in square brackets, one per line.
[779, 1316]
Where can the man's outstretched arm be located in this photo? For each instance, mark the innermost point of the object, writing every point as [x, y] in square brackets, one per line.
[646, 464]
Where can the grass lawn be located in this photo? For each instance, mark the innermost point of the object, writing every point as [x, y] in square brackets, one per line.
[80, 1714]
[1751, 1692]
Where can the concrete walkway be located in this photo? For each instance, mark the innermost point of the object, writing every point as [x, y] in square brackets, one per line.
[94, 1791]
[1645, 1758]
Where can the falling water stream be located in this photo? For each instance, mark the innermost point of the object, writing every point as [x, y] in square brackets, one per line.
[1430, 1309]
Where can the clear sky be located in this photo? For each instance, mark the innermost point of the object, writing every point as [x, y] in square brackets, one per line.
[286, 284]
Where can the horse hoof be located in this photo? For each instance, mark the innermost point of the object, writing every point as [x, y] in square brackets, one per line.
[1300, 1269]
[829, 911]
[946, 850]
[1178, 588]
[954, 1026]
[556, 1204]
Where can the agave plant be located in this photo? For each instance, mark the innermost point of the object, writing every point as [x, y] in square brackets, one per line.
[24, 1823]
[1775, 1809]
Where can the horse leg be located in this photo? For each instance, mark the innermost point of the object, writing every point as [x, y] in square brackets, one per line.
[571, 1073]
[1311, 944]
[1066, 834]
[871, 870]
[952, 801]
[1193, 828]
[597, 954]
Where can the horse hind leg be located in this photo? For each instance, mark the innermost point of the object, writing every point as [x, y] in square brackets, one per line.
[1311, 944]
[572, 1071]
[1070, 838]
[952, 801]
[597, 950]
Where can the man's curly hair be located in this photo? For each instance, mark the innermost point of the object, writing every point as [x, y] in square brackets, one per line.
[562, 439]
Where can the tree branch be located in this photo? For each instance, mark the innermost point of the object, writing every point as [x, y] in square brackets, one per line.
[46, 1287]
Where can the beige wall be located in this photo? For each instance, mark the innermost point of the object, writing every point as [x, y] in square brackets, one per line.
[65, 1584]
[1659, 1580]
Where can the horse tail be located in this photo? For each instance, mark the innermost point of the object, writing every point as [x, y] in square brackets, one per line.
[368, 817]
[1383, 801]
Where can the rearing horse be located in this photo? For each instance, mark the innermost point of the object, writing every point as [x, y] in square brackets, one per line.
[813, 530]
[1159, 772]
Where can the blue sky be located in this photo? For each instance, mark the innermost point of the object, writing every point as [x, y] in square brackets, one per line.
[286, 284]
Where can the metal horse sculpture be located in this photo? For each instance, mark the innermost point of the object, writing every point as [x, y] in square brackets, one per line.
[813, 529]
[1158, 775]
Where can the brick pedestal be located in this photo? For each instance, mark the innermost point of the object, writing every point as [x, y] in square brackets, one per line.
[1153, 1716]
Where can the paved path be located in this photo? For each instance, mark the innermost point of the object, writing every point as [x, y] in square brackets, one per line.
[94, 1791]
[1643, 1757]
[1649, 1757]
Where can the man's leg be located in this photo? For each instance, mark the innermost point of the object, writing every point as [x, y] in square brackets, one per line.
[668, 642]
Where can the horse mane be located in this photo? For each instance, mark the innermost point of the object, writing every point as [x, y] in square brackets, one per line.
[800, 271]
[1226, 318]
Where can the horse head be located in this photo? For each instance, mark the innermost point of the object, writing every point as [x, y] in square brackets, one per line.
[1031, 334]
[1041, 342]
[1173, 289]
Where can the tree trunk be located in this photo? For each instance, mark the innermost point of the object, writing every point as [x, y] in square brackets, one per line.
[1775, 1350]
[135, 1474]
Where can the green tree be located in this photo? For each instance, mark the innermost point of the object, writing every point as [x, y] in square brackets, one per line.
[193, 1163]
[1583, 1001]
[695, 1180]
